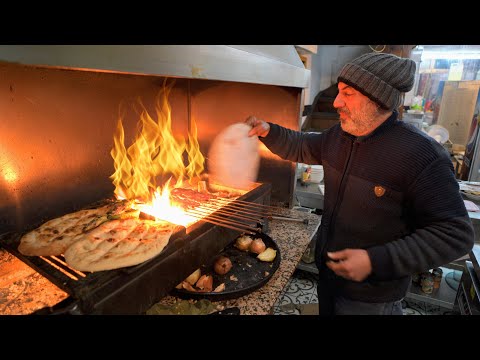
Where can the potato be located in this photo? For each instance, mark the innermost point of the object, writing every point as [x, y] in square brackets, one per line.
[257, 246]
[268, 255]
[243, 242]
[222, 265]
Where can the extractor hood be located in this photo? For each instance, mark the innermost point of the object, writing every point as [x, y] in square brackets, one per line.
[262, 64]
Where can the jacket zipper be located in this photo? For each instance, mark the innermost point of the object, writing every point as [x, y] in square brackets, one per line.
[341, 189]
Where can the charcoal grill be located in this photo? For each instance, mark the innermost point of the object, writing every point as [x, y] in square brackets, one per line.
[134, 289]
[56, 159]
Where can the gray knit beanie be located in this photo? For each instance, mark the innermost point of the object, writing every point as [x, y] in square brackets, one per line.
[382, 77]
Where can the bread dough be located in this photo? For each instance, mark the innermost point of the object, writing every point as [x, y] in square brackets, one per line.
[233, 159]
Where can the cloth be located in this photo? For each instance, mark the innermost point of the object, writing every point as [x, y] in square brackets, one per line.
[381, 77]
[393, 193]
[471, 206]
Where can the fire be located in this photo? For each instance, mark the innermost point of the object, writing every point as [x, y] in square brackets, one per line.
[155, 152]
[162, 208]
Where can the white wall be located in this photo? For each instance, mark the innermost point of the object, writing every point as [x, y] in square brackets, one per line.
[327, 63]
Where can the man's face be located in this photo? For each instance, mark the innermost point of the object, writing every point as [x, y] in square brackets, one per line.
[358, 114]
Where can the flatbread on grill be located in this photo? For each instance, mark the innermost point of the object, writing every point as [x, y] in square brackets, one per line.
[119, 243]
[233, 158]
[55, 236]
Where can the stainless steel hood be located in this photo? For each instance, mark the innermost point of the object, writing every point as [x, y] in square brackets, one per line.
[262, 64]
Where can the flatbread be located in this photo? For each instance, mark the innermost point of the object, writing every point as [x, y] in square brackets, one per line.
[233, 158]
[119, 243]
[55, 236]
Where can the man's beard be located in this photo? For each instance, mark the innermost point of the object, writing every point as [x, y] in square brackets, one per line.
[359, 122]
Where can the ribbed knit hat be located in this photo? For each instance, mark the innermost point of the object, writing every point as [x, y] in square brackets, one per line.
[382, 77]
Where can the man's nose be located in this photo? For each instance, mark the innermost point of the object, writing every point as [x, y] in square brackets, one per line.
[338, 103]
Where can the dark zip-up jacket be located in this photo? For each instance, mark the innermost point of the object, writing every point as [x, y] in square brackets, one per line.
[415, 220]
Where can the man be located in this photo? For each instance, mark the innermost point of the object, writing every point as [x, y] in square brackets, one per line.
[392, 205]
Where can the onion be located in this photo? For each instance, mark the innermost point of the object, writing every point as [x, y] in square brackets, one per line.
[243, 242]
[205, 283]
[268, 255]
[193, 277]
[257, 246]
[222, 265]
[220, 288]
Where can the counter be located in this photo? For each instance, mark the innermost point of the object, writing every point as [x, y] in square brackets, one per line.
[309, 194]
[23, 290]
[292, 238]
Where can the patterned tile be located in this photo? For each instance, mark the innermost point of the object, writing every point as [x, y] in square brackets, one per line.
[301, 289]
[288, 309]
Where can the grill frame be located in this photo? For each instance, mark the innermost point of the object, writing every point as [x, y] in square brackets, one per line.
[135, 289]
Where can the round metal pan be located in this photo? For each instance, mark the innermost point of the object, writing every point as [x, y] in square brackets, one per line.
[246, 275]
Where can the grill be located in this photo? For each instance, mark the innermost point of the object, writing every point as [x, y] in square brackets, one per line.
[134, 289]
[57, 158]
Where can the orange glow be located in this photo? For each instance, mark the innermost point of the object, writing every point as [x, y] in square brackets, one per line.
[9, 174]
[155, 152]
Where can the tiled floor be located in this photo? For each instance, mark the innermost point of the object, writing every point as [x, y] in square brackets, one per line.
[302, 290]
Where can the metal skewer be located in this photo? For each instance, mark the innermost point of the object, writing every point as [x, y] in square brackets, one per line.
[206, 216]
[245, 229]
[225, 211]
[249, 204]
[251, 207]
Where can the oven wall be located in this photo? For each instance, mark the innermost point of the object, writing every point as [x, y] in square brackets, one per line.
[57, 127]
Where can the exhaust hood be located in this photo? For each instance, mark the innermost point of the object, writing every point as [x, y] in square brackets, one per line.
[261, 64]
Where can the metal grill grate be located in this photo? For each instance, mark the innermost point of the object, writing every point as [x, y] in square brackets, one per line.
[134, 289]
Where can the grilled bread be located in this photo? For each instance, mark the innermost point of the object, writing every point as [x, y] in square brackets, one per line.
[55, 236]
[119, 243]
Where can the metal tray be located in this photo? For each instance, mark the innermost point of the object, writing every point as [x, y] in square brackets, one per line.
[251, 273]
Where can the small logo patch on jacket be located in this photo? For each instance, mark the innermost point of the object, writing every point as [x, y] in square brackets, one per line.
[379, 191]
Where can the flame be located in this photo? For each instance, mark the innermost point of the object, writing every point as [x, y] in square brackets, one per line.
[155, 152]
[195, 158]
[162, 208]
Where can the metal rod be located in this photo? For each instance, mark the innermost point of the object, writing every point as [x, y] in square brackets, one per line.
[249, 203]
[223, 210]
[305, 221]
[244, 210]
[217, 218]
[250, 207]
[246, 230]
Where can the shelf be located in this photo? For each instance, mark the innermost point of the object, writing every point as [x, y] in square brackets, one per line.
[444, 296]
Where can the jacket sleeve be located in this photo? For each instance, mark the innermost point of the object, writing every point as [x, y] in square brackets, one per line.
[294, 145]
[443, 230]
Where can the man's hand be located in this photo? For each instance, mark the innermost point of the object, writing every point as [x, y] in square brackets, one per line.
[259, 127]
[351, 264]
